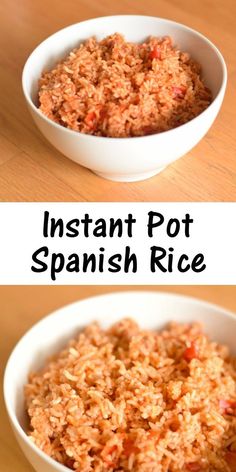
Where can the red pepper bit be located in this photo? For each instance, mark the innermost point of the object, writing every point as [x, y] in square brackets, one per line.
[155, 53]
[191, 352]
[179, 92]
[129, 447]
[227, 406]
[90, 119]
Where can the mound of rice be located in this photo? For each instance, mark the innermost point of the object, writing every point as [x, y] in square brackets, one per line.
[120, 89]
[126, 399]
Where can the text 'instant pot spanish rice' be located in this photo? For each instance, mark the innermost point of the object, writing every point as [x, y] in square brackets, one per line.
[121, 89]
[125, 399]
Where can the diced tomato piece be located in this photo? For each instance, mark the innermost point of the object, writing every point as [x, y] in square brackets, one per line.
[154, 434]
[230, 458]
[179, 92]
[194, 467]
[226, 405]
[129, 447]
[90, 118]
[155, 53]
[191, 352]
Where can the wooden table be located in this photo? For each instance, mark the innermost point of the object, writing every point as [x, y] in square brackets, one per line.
[31, 170]
[23, 306]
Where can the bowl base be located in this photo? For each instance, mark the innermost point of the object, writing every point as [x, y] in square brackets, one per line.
[129, 177]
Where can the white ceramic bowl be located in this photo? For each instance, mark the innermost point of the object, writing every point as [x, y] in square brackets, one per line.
[151, 309]
[126, 159]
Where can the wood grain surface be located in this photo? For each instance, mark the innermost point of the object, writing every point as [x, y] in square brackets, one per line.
[21, 307]
[31, 170]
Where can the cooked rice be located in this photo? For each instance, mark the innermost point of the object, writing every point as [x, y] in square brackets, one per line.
[126, 399]
[120, 89]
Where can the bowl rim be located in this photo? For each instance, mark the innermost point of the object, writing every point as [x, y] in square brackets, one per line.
[127, 293]
[124, 139]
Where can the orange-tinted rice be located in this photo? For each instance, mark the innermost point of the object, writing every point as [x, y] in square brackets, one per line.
[125, 399]
[121, 89]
